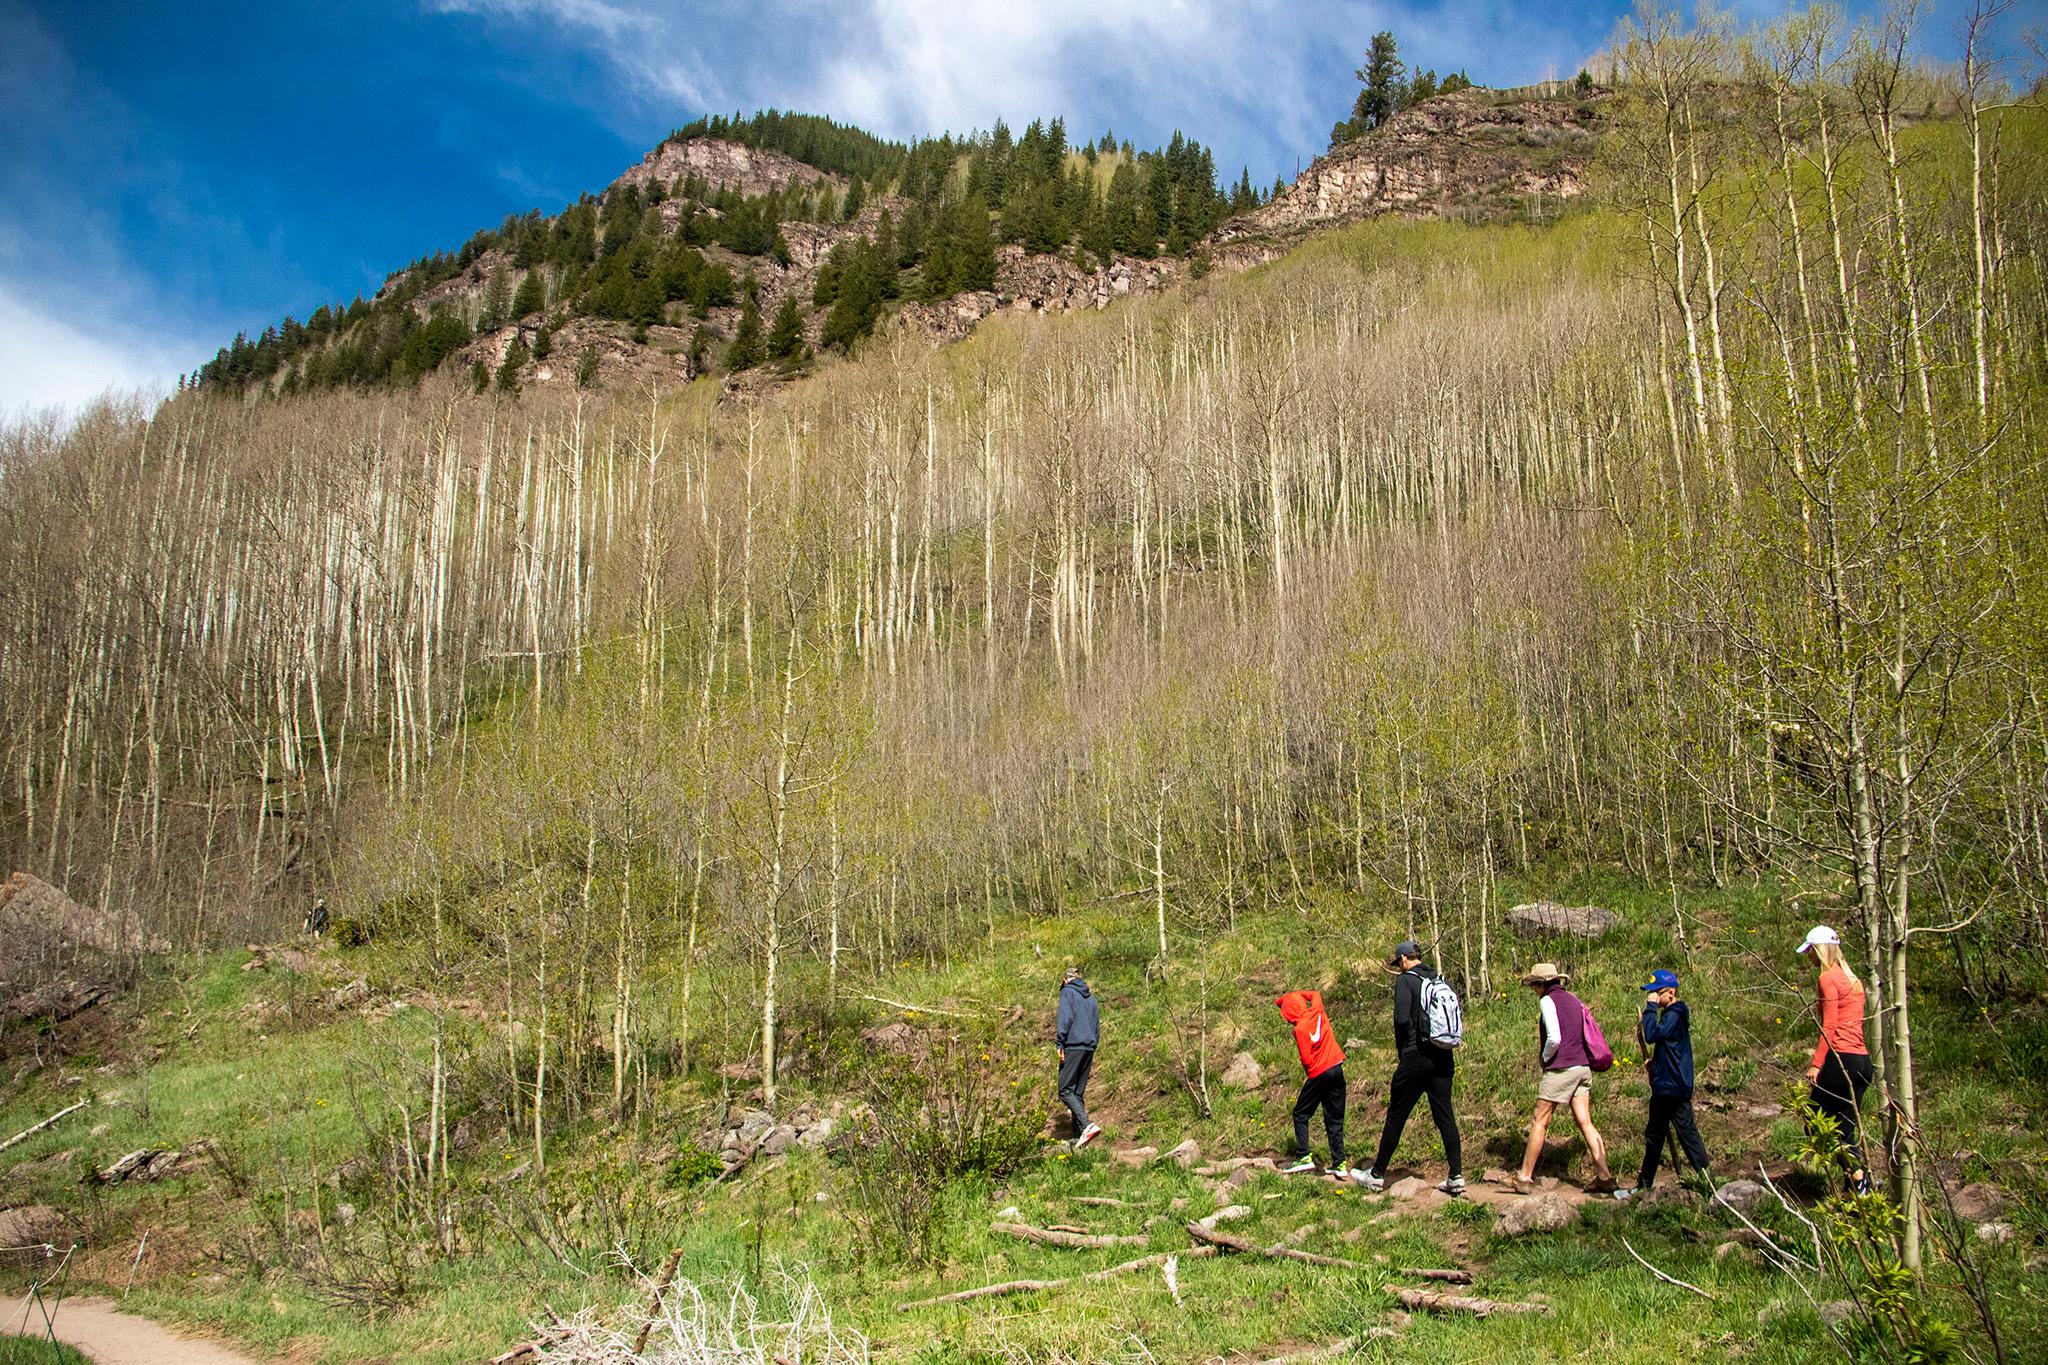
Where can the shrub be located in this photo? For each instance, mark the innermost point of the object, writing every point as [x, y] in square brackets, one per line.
[944, 1111]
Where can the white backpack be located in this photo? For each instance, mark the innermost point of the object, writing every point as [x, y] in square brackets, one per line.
[1443, 1017]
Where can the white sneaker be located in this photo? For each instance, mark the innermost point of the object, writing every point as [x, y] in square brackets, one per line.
[1623, 1196]
[1454, 1187]
[1088, 1135]
[1369, 1180]
[1301, 1167]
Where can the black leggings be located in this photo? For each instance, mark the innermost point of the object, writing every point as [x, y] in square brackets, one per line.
[1838, 1093]
[1669, 1113]
[1326, 1092]
[1425, 1071]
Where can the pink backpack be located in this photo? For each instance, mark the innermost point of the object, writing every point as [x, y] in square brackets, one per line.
[1602, 1056]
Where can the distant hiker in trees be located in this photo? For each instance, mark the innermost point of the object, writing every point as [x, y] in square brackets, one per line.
[1840, 1070]
[1429, 1026]
[316, 918]
[1569, 1049]
[1666, 1034]
[1323, 1060]
[1076, 1035]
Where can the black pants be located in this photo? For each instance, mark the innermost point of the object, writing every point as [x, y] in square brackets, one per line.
[1424, 1071]
[1326, 1091]
[1666, 1113]
[1074, 1068]
[1839, 1094]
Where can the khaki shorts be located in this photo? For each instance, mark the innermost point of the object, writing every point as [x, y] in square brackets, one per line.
[1560, 1086]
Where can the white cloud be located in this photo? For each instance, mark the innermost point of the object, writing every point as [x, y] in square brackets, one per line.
[48, 361]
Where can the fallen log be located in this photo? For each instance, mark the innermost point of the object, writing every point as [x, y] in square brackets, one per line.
[1098, 1201]
[991, 1291]
[31, 1131]
[1447, 1276]
[1051, 1237]
[1430, 1301]
[1223, 1241]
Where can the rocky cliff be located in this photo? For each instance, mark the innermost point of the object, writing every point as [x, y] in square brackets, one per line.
[1470, 154]
[721, 164]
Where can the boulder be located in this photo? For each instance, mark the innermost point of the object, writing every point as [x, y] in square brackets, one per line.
[1536, 1213]
[1740, 1195]
[1548, 917]
[1407, 1188]
[817, 1133]
[1979, 1203]
[1186, 1155]
[1998, 1234]
[1837, 1311]
[752, 1124]
[1135, 1156]
[779, 1140]
[1243, 1073]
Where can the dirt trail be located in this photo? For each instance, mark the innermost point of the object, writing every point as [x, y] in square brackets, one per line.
[100, 1329]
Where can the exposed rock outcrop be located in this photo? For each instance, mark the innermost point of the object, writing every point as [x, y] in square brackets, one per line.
[722, 165]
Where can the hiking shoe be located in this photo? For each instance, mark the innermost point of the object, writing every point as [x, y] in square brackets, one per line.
[1301, 1167]
[1369, 1180]
[1521, 1186]
[1600, 1187]
[1623, 1196]
[1088, 1135]
[1454, 1187]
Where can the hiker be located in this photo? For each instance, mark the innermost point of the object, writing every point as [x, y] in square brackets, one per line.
[316, 918]
[1076, 1035]
[1428, 1027]
[1564, 1037]
[1323, 1060]
[1840, 1070]
[1665, 1031]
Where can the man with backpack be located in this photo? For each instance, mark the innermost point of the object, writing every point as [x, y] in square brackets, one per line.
[1429, 1026]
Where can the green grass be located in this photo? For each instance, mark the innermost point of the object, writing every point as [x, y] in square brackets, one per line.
[31, 1350]
[255, 1060]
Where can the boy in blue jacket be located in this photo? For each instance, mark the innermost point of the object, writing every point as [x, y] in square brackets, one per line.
[1666, 1033]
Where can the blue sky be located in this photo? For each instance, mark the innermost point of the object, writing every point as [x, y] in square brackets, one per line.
[172, 174]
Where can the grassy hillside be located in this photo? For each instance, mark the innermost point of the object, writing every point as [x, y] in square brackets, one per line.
[286, 1255]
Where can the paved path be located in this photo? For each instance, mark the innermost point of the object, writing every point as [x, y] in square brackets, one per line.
[100, 1329]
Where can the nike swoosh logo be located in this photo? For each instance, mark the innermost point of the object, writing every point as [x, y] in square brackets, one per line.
[1315, 1032]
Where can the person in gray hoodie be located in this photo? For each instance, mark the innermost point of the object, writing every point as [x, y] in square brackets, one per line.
[1076, 1035]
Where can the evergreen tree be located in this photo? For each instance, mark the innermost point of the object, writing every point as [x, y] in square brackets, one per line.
[532, 296]
[543, 342]
[586, 366]
[479, 377]
[786, 334]
[974, 258]
[856, 200]
[700, 348]
[1380, 98]
[497, 296]
[508, 369]
[745, 351]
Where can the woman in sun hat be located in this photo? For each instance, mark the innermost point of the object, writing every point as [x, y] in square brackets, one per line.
[1566, 1057]
[1840, 1070]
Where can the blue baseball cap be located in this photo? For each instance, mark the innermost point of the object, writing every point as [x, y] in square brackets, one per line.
[1662, 980]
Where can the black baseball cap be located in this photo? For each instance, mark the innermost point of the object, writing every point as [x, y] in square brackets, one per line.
[1407, 947]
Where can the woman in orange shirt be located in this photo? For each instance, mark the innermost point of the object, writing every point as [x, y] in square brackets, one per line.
[1840, 1070]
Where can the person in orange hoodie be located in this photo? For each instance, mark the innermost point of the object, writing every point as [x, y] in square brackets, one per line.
[1323, 1060]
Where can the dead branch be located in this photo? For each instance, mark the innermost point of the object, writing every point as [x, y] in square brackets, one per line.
[1225, 1242]
[919, 1009]
[1053, 1237]
[1429, 1301]
[668, 1272]
[1668, 1279]
[31, 1131]
[1447, 1276]
[1335, 1348]
[1099, 1201]
[990, 1291]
